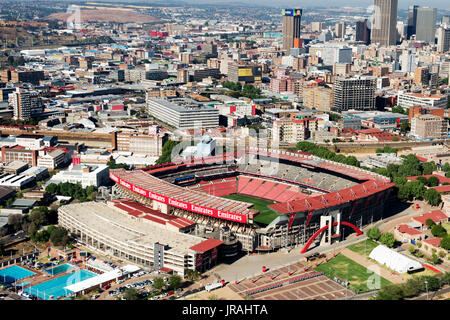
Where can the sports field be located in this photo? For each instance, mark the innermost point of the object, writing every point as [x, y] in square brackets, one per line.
[363, 248]
[265, 216]
[348, 270]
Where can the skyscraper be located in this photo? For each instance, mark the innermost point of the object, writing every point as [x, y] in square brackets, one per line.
[412, 21]
[444, 39]
[362, 31]
[21, 103]
[291, 28]
[354, 93]
[339, 30]
[384, 24]
[426, 24]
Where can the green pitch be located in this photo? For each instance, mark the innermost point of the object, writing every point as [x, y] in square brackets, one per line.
[265, 216]
[351, 271]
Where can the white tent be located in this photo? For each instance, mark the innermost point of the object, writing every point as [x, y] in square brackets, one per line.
[394, 260]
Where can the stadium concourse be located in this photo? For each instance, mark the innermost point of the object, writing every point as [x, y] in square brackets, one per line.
[312, 200]
[293, 282]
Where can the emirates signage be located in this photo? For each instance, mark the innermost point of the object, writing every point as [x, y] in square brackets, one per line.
[236, 217]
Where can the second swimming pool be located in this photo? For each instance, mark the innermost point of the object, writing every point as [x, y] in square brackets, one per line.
[60, 269]
[53, 289]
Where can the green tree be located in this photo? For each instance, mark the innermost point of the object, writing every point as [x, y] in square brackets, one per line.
[374, 233]
[52, 188]
[432, 181]
[446, 167]
[59, 236]
[131, 294]
[438, 231]
[158, 283]
[430, 223]
[387, 239]
[445, 242]
[174, 281]
[411, 249]
[166, 155]
[432, 197]
[391, 292]
[405, 127]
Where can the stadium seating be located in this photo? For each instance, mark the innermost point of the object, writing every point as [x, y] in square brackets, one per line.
[275, 192]
[264, 188]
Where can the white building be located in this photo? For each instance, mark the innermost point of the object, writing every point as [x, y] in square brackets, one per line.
[394, 260]
[407, 100]
[87, 175]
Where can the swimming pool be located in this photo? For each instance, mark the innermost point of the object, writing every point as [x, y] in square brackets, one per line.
[60, 269]
[14, 273]
[56, 286]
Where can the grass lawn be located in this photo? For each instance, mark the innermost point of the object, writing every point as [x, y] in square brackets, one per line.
[363, 248]
[265, 216]
[447, 226]
[347, 269]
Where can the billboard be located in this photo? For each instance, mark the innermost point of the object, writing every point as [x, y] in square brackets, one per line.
[292, 12]
[247, 72]
[220, 214]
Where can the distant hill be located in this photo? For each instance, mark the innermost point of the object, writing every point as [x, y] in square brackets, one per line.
[106, 15]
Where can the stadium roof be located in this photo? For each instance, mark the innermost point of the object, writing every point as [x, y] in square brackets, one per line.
[394, 260]
[332, 199]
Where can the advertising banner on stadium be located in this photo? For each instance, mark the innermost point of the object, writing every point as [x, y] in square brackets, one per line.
[215, 213]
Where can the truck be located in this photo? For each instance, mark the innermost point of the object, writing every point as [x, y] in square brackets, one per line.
[213, 286]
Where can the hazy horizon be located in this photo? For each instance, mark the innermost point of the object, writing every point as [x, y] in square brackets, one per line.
[403, 4]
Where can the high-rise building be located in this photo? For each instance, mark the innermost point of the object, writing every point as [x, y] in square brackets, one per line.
[444, 39]
[426, 24]
[421, 76]
[21, 103]
[446, 20]
[317, 26]
[354, 93]
[384, 25]
[412, 21]
[339, 30]
[291, 28]
[362, 31]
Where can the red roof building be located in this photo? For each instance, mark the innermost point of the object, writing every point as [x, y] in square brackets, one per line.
[206, 245]
[436, 215]
[435, 242]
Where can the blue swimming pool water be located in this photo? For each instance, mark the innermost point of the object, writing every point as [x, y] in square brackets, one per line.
[56, 286]
[14, 273]
[60, 269]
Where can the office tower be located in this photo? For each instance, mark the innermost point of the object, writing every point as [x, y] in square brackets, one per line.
[21, 103]
[317, 26]
[421, 76]
[354, 93]
[384, 24]
[400, 31]
[446, 20]
[426, 24]
[291, 28]
[362, 31]
[408, 62]
[339, 30]
[412, 21]
[444, 39]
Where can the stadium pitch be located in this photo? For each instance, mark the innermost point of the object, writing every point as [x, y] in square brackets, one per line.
[265, 216]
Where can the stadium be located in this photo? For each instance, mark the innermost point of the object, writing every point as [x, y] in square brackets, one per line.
[264, 199]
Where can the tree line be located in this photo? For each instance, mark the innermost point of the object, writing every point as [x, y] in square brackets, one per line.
[74, 190]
